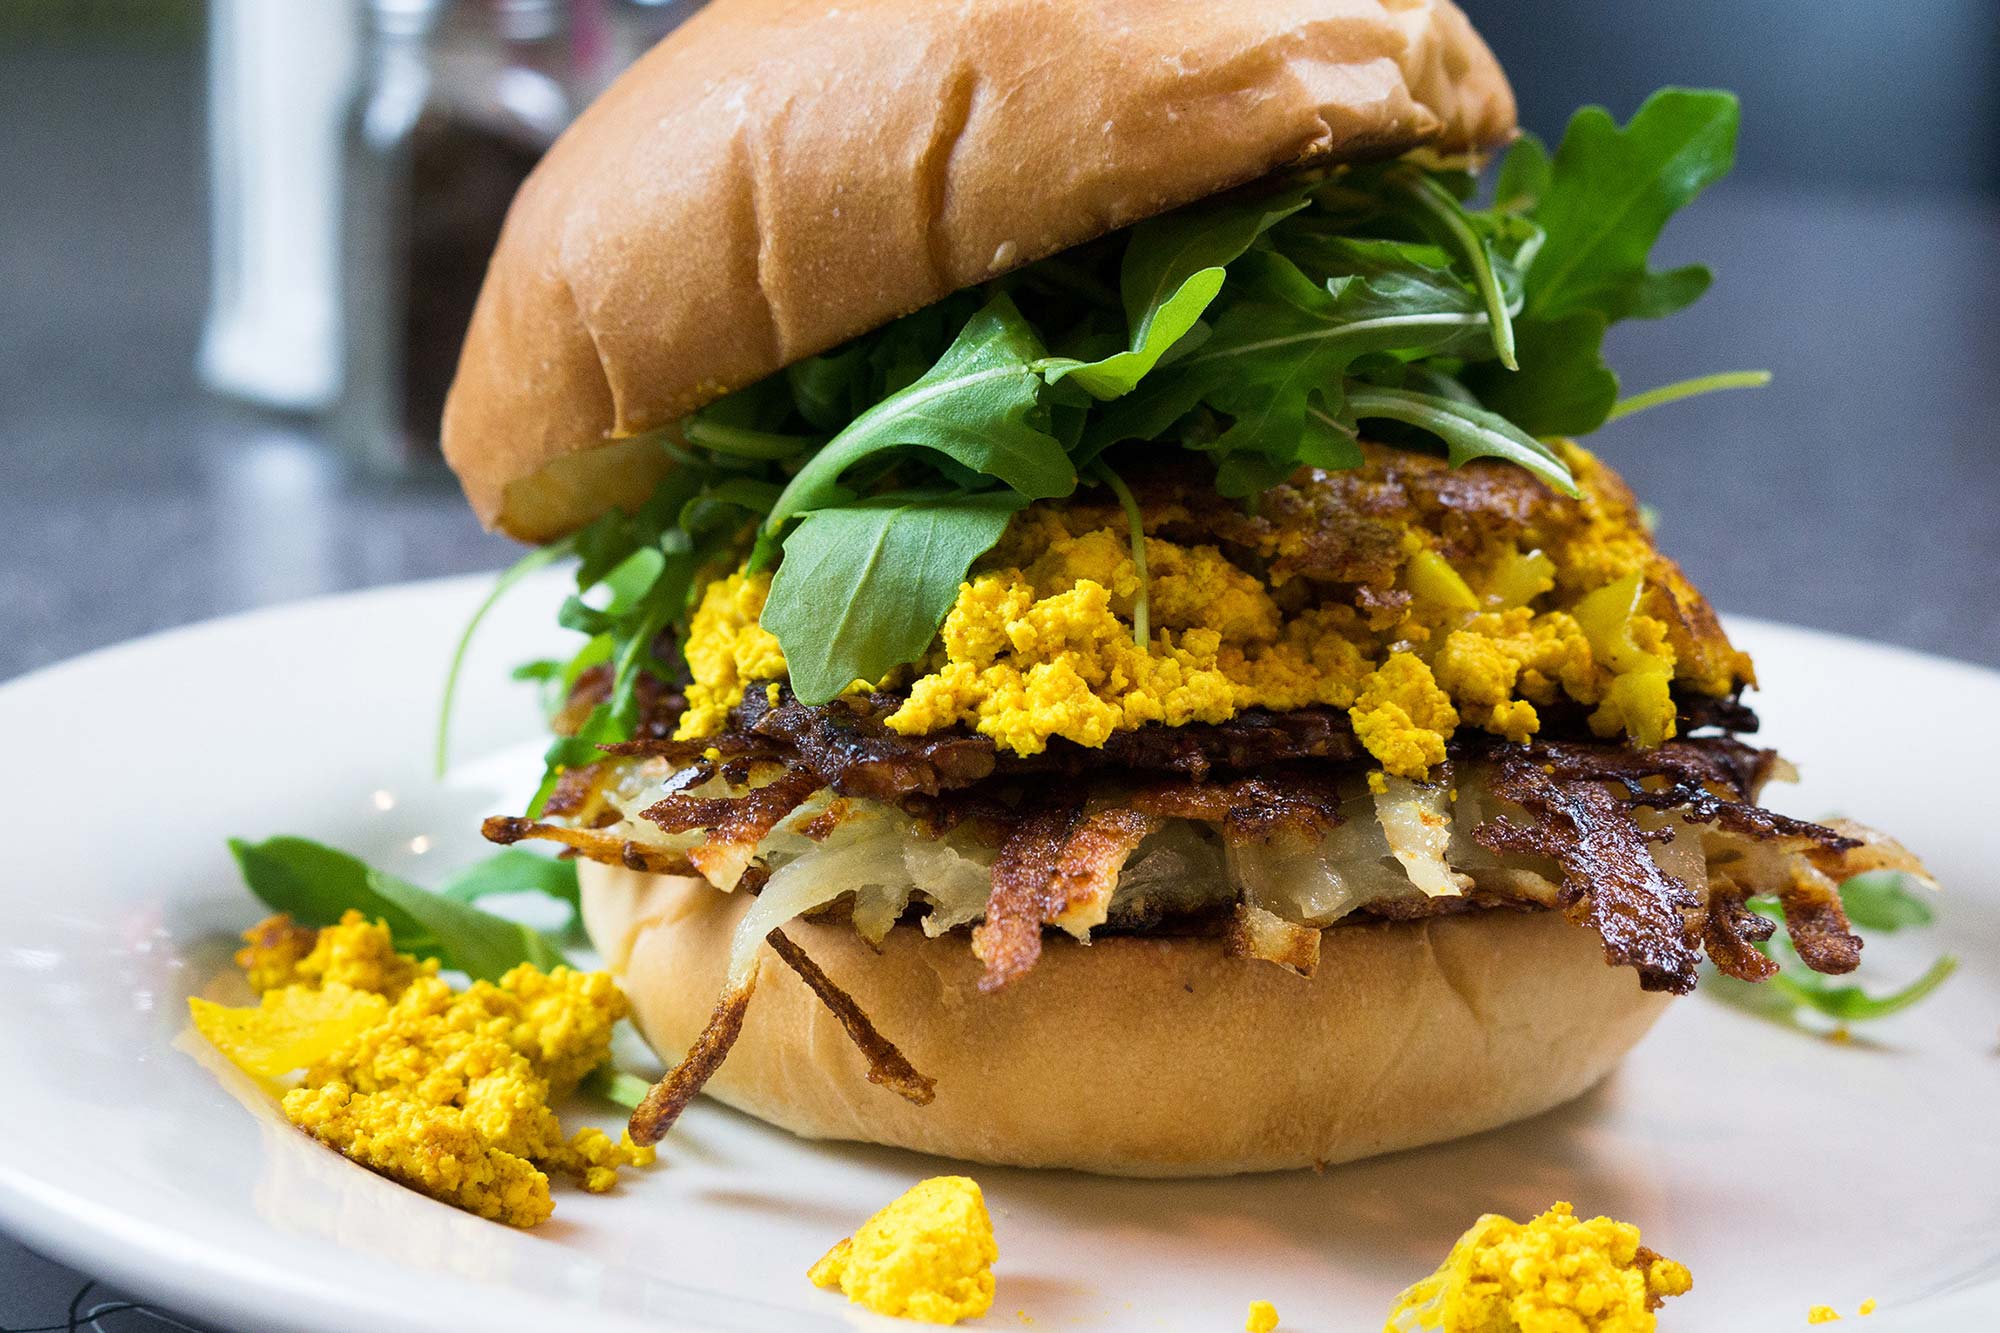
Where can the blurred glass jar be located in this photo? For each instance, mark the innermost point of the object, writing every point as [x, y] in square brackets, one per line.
[364, 153]
[280, 79]
[454, 107]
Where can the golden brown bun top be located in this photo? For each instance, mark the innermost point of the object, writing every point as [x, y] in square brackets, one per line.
[779, 176]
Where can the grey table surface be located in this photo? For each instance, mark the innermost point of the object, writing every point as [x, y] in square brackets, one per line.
[1859, 493]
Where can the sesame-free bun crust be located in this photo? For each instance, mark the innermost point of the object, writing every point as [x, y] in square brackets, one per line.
[779, 176]
[1140, 1055]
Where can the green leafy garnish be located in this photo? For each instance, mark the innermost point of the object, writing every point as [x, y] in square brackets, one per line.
[1135, 532]
[1468, 432]
[1258, 330]
[1439, 211]
[517, 870]
[1694, 388]
[539, 558]
[1600, 203]
[1884, 901]
[980, 406]
[864, 587]
[1172, 271]
[616, 1086]
[315, 884]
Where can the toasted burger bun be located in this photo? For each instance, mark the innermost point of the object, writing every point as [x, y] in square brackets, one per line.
[781, 175]
[1139, 1055]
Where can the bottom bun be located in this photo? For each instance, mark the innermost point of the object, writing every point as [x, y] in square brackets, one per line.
[1139, 1055]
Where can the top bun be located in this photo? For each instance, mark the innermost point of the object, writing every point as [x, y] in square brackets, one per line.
[779, 176]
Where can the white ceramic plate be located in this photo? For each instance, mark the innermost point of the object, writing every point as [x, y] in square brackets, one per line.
[1786, 1170]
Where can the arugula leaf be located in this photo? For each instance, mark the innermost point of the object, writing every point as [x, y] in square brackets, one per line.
[1524, 176]
[1288, 340]
[826, 387]
[546, 674]
[1679, 389]
[518, 870]
[1439, 213]
[1608, 194]
[1564, 389]
[1601, 203]
[863, 588]
[1166, 251]
[1885, 900]
[1162, 326]
[976, 406]
[1468, 432]
[315, 884]
[1173, 268]
[1852, 1004]
[742, 441]
[616, 1086]
[540, 558]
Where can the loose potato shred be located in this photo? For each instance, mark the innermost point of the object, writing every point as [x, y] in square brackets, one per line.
[601, 847]
[666, 1100]
[1009, 941]
[1730, 934]
[887, 1066]
[1818, 927]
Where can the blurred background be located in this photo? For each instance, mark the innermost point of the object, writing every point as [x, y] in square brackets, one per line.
[238, 241]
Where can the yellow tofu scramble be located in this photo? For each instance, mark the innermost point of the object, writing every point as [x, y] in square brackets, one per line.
[928, 1256]
[1440, 609]
[447, 1092]
[1553, 1274]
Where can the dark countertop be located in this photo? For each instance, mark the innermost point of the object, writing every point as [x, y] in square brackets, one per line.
[1859, 493]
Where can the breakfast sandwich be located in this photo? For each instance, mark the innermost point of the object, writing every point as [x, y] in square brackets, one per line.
[1100, 647]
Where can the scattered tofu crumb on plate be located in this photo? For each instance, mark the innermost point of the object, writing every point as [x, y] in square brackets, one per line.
[1554, 1274]
[928, 1256]
[447, 1092]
